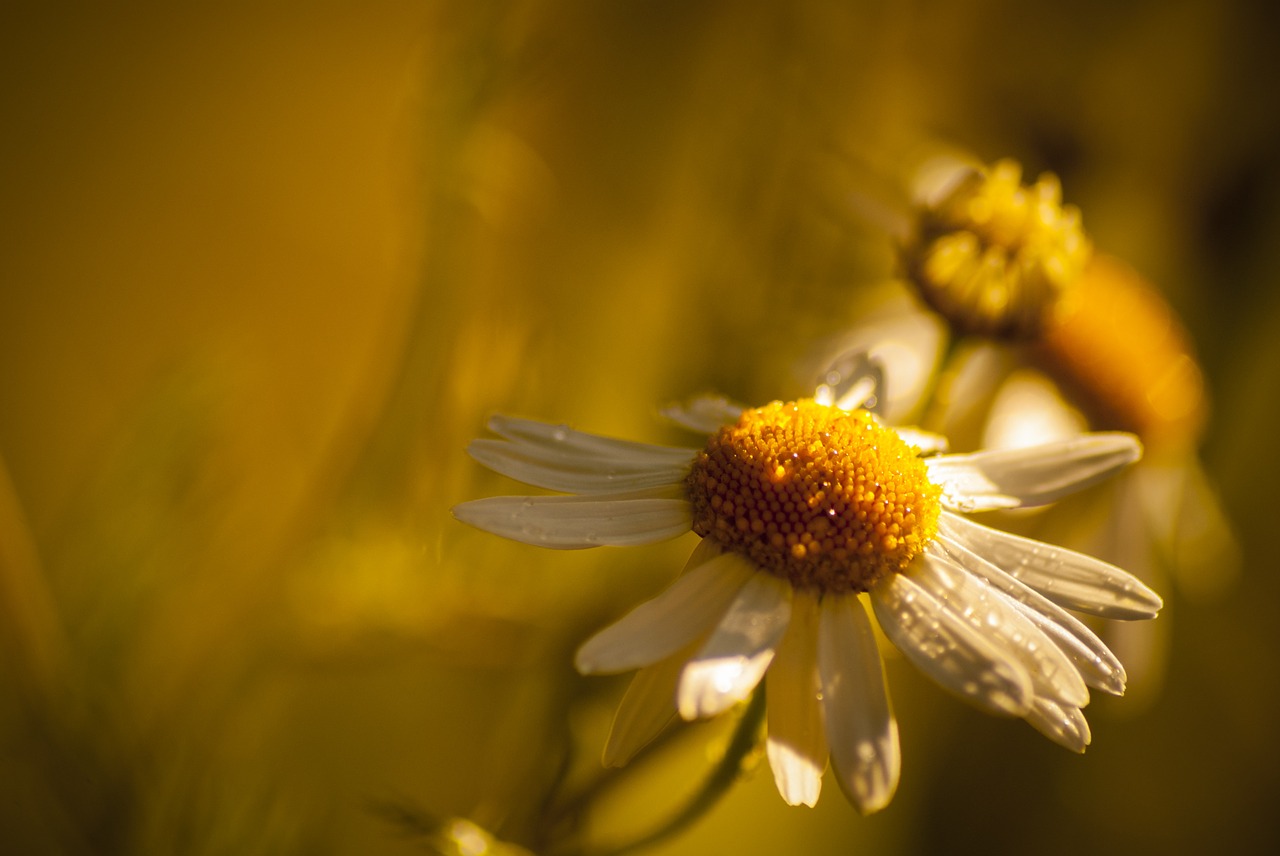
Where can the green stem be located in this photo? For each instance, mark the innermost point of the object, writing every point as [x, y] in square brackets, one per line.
[715, 786]
[607, 778]
[942, 369]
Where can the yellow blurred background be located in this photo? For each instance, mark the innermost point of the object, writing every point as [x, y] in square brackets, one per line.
[265, 268]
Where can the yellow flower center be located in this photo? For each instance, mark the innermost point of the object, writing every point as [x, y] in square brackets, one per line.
[993, 256]
[825, 498]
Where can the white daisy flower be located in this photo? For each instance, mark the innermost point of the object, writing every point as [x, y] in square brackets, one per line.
[815, 521]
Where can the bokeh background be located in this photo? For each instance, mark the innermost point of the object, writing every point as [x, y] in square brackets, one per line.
[265, 268]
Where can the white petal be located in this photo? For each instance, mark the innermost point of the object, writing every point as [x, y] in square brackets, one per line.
[577, 522]
[1064, 725]
[926, 442]
[903, 338]
[1065, 577]
[860, 726]
[992, 614]
[948, 649]
[797, 746]
[576, 473]
[853, 380]
[1034, 475]
[730, 664]
[686, 609]
[1096, 663]
[552, 443]
[704, 414]
[647, 706]
[1029, 410]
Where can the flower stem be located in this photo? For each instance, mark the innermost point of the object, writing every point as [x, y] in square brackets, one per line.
[716, 785]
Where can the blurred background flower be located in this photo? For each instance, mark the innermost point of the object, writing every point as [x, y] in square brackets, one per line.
[266, 269]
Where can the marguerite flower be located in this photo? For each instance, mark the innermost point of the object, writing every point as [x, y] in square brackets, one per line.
[809, 514]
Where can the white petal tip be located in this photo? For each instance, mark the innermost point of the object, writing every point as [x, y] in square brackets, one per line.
[1135, 449]
[1115, 681]
[1114, 685]
[584, 663]
[1134, 602]
[468, 513]
[602, 655]
[871, 806]
[1065, 726]
[800, 792]
[873, 794]
[797, 776]
[1138, 599]
[1116, 447]
[599, 655]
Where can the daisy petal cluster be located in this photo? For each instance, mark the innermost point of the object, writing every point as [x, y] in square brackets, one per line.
[816, 524]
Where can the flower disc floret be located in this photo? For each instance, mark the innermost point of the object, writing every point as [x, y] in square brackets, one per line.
[825, 498]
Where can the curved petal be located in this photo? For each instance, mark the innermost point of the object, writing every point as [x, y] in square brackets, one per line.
[646, 707]
[948, 649]
[704, 414]
[1062, 724]
[734, 659]
[1033, 475]
[925, 442]
[578, 522]
[860, 727]
[657, 628]
[796, 745]
[576, 473]
[551, 443]
[853, 380]
[1065, 577]
[992, 614]
[907, 341]
[1096, 663]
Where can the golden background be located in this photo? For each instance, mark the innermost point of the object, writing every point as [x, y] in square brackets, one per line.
[265, 268]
